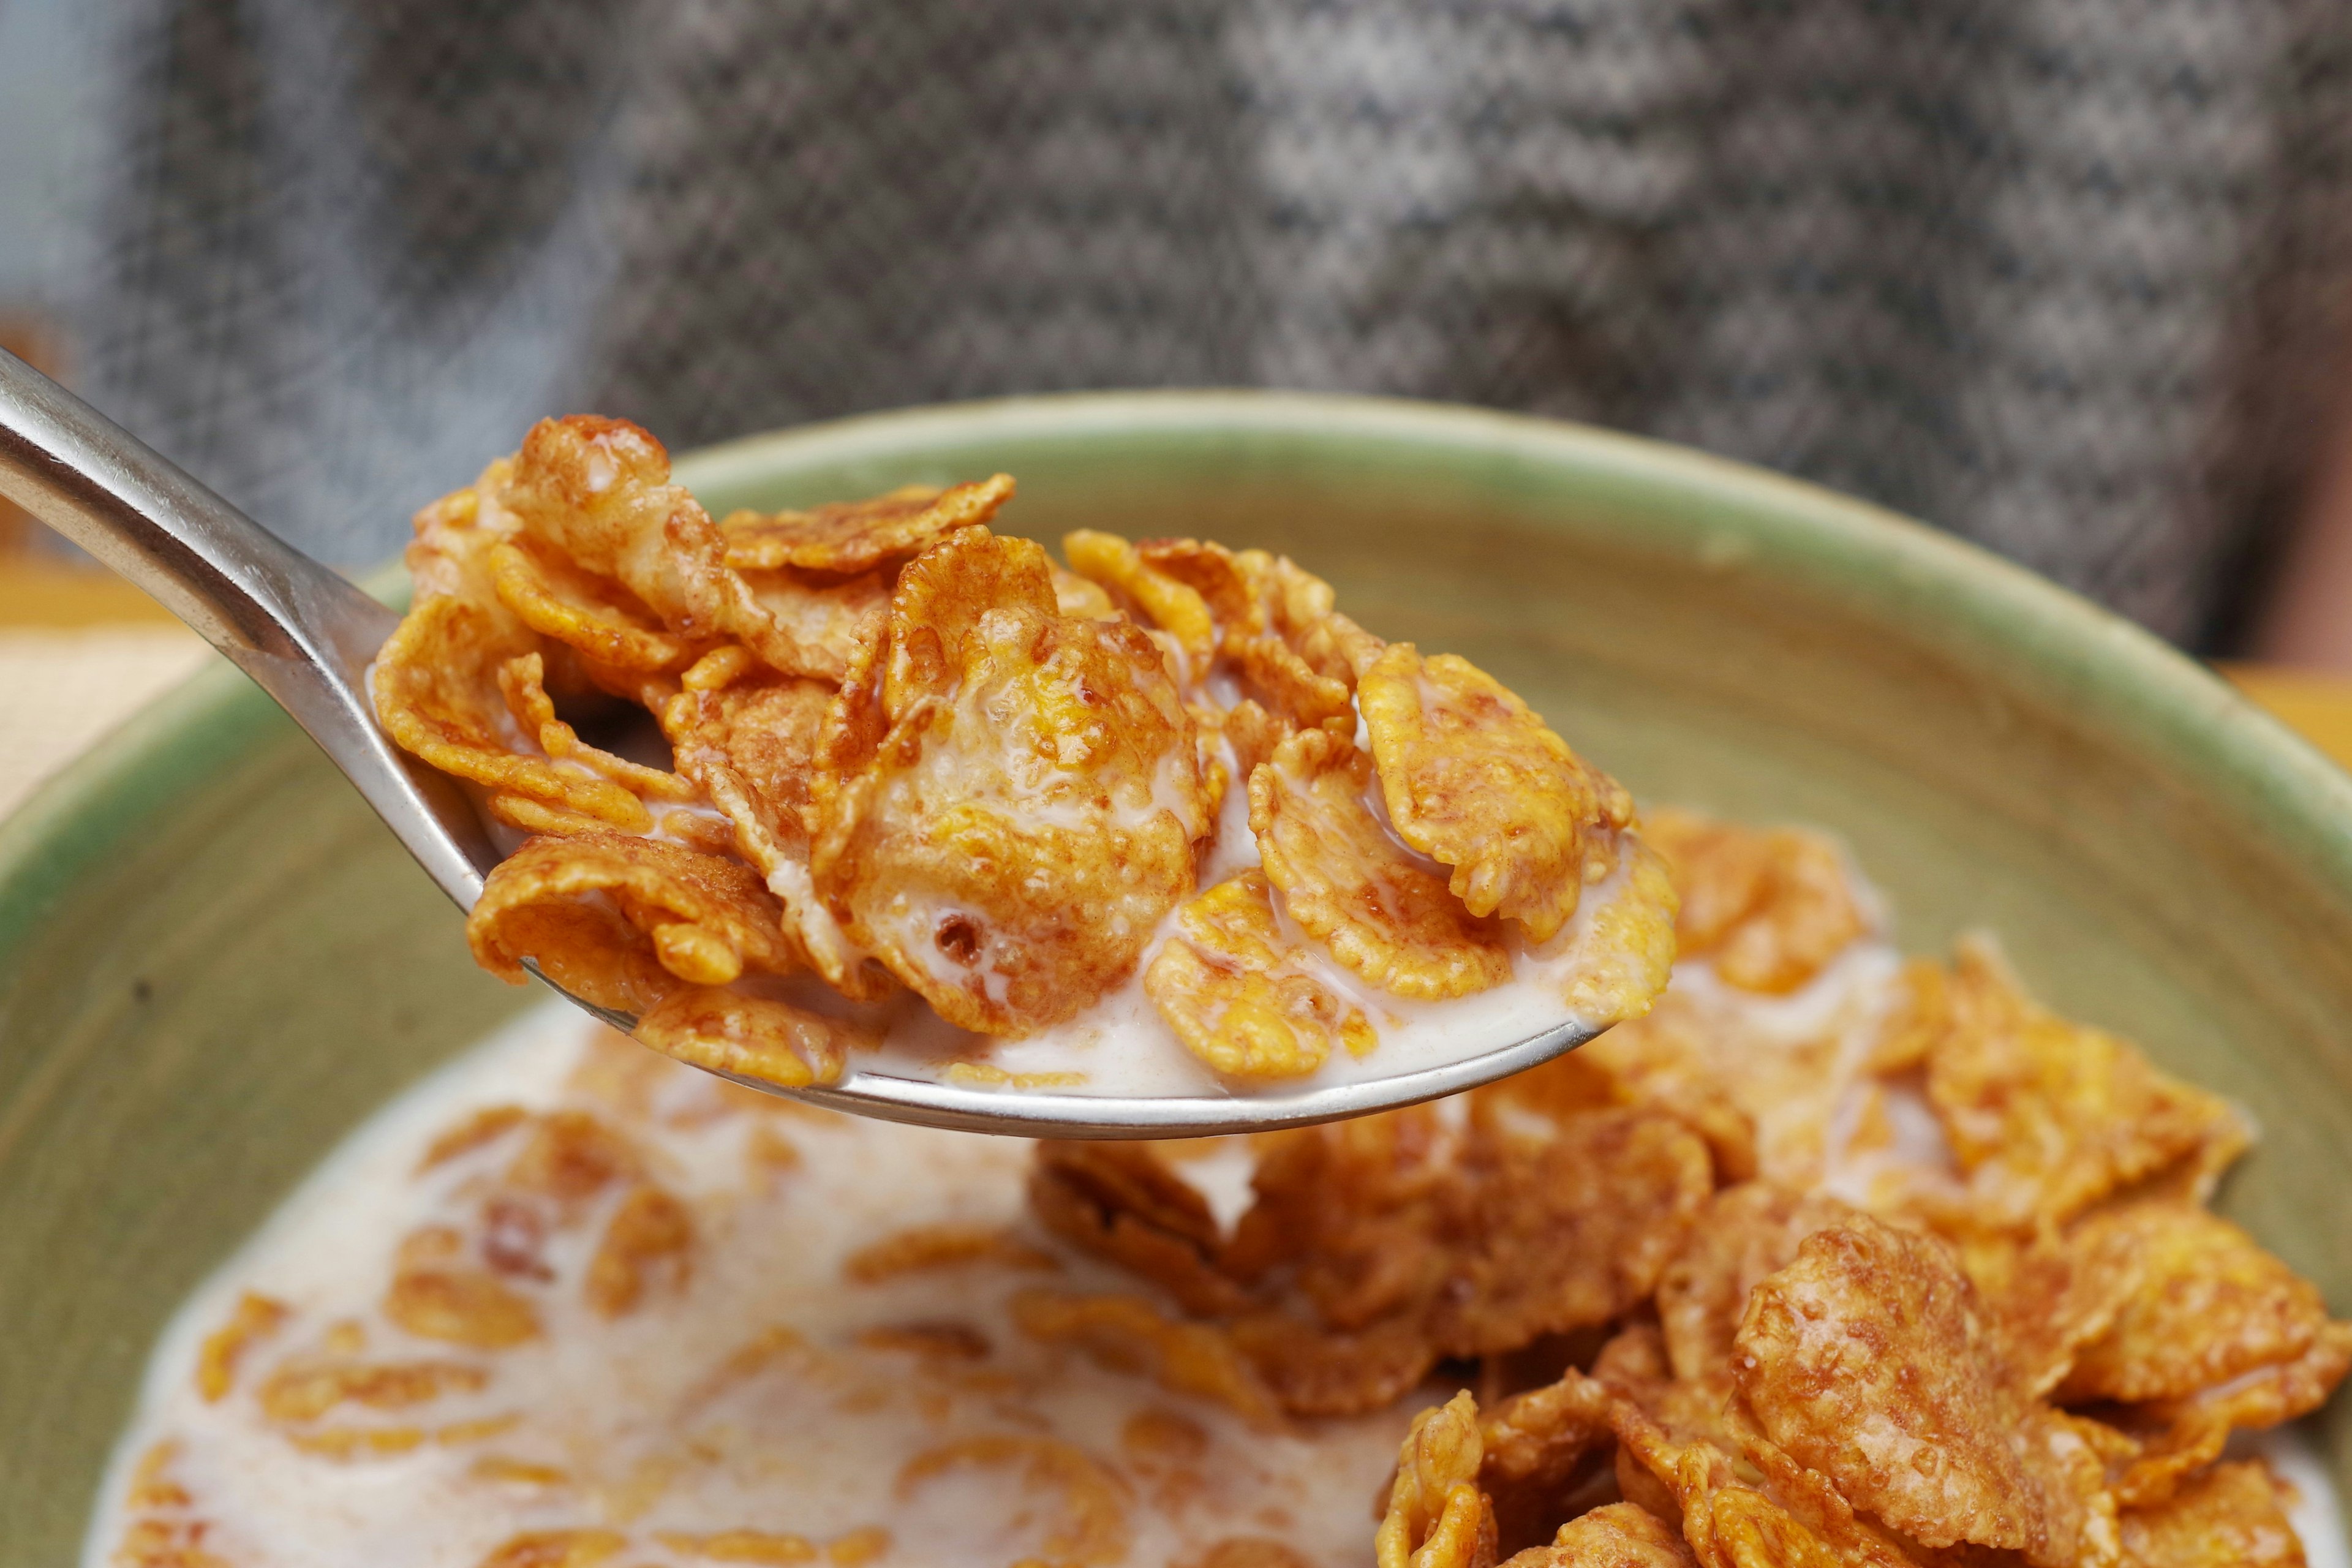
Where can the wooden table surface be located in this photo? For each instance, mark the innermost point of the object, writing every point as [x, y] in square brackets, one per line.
[80, 650]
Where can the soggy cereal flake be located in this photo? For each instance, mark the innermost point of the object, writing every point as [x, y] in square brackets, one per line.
[556, 1549]
[1073, 595]
[1128, 1333]
[1379, 909]
[1768, 908]
[1635, 935]
[597, 492]
[1017, 805]
[925, 1249]
[621, 921]
[304, 1390]
[1174, 607]
[2046, 1116]
[2230, 1517]
[1241, 996]
[752, 1037]
[754, 1546]
[1436, 1516]
[462, 1305]
[1474, 779]
[2206, 1304]
[751, 745]
[649, 1243]
[1093, 1527]
[1121, 1202]
[855, 536]
[1744, 1233]
[1870, 1360]
[255, 1319]
[1616, 1535]
[594, 615]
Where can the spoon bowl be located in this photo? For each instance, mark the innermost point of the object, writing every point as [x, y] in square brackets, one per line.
[307, 637]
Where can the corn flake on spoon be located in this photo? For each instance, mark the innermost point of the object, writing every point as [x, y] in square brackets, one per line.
[307, 637]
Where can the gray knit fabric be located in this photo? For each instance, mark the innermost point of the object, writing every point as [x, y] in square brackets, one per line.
[2065, 276]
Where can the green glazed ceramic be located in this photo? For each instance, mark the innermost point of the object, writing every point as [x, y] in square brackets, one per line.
[214, 963]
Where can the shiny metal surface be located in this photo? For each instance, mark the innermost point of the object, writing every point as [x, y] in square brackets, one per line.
[306, 636]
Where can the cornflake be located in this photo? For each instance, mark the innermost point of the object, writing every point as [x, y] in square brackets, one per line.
[1352, 888]
[906, 750]
[1474, 779]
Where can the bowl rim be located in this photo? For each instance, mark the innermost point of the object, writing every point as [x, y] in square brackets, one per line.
[1989, 609]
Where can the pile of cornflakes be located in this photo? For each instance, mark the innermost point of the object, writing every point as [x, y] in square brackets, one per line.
[1928, 1283]
[905, 751]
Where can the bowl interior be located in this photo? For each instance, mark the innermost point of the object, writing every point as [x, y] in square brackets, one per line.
[214, 963]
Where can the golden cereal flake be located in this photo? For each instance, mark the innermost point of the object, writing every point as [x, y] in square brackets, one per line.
[754, 1546]
[751, 745]
[1238, 992]
[303, 1390]
[1092, 1525]
[1743, 1235]
[524, 682]
[1175, 607]
[648, 1242]
[623, 921]
[756, 1038]
[1533, 1445]
[461, 1305]
[1349, 885]
[1474, 779]
[1870, 1360]
[1771, 1516]
[1128, 1333]
[926, 1248]
[1436, 1516]
[2206, 1304]
[595, 614]
[1768, 908]
[1277, 628]
[1615, 1535]
[2230, 1517]
[1633, 938]
[556, 1549]
[829, 617]
[858, 535]
[437, 696]
[1248, 1551]
[2181, 1435]
[597, 492]
[1017, 802]
[2046, 1117]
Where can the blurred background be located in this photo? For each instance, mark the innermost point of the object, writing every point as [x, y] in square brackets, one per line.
[2069, 277]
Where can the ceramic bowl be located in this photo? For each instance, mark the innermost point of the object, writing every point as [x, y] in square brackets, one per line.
[214, 963]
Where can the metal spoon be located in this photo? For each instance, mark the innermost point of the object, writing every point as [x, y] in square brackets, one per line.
[306, 636]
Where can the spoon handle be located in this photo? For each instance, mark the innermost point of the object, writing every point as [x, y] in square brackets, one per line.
[240, 586]
[301, 632]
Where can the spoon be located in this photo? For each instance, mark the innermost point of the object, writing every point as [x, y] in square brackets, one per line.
[306, 636]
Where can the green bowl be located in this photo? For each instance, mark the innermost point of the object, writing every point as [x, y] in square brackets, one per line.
[214, 963]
